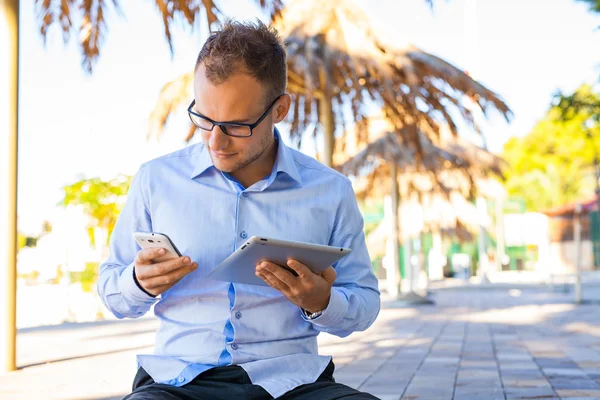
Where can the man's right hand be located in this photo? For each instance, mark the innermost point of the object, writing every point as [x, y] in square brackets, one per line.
[157, 278]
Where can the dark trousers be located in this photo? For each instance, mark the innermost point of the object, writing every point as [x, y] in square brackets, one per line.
[232, 383]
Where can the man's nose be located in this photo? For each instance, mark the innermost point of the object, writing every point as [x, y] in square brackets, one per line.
[218, 139]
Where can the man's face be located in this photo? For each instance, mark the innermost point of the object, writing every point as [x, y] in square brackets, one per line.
[242, 99]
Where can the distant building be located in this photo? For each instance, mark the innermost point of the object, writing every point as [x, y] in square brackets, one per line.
[563, 249]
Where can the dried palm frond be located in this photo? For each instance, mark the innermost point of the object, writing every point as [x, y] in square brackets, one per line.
[92, 27]
[174, 94]
[363, 65]
[482, 160]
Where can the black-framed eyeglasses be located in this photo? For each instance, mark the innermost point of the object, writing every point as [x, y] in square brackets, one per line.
[229, 128]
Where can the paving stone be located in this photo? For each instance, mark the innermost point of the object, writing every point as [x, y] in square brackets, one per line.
[580, 398]
[427, 393]
[462, 393]
[491, 385]
[387, 389]
[551, 372]
[578, 393]
[574, 383]
[555, 363]
[522, 374]
[529, 392]
[513, 357]
[519, 365]
[524, 383]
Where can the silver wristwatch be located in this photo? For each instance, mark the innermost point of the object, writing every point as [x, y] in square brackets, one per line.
[314, 315]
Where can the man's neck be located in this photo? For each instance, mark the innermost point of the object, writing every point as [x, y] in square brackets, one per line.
[259, 169]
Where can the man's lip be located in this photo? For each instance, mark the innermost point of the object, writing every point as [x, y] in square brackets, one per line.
[222, 155]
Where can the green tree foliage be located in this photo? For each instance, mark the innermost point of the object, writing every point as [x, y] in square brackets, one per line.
[583, 102]
[101, 200]
[554, 164]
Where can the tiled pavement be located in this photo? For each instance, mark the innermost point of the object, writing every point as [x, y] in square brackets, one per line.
[478, 344]
[475, 343]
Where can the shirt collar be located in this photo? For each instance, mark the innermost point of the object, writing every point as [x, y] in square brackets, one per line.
[284, 162]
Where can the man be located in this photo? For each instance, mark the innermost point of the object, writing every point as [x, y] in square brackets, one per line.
[221, 340]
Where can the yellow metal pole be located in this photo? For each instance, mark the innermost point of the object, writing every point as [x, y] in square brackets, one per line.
[9, 92]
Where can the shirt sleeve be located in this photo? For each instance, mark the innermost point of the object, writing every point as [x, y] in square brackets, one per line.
[117, 287]
[355, 298]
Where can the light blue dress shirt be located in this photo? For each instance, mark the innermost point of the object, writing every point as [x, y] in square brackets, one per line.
[207, 214]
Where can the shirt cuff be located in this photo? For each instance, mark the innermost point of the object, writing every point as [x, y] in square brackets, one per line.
[131, 291]
[335, 311]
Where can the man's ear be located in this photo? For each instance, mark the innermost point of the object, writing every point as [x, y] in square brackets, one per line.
[282, 107]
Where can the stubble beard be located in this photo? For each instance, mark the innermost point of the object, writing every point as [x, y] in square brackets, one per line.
[264, 145]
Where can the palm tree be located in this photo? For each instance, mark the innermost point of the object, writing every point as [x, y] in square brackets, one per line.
[92, 27]
[339, 65]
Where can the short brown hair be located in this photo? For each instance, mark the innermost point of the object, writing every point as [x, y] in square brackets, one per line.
[252, 47]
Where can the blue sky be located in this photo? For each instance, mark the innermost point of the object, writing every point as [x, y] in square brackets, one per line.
[74, 126]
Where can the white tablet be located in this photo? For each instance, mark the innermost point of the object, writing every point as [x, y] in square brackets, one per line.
[240, 267]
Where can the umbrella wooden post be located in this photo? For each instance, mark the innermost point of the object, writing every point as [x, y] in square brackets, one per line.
[577, 241]
[438, 253]
[482, 242]
[408, 286]
[395, 237]
[500, 251]
[9, 78]
[409, 297]
[423, 270]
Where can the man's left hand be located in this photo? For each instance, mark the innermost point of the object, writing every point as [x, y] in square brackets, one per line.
[308, 290]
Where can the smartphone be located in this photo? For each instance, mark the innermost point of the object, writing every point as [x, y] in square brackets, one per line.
[151, 240]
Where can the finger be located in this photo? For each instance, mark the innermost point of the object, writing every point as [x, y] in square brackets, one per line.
[169, 279]
[302, 270]
[272, 280]
[145, 256]
[264, 278]
[163, 268]
[280, 273]
[329, 275]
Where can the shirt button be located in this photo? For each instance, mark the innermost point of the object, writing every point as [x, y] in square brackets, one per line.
[243, 235]
[238, 315]
[181, 379]
[234, 346]
[245, 194]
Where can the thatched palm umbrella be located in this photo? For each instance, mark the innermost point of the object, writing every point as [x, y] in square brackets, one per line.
[92, 26]
[453, 167]
[338, 60]
[391, 151]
